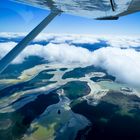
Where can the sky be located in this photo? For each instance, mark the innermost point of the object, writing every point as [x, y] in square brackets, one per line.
[15, 17]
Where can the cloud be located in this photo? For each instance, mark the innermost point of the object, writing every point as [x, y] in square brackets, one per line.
[56, 38]
[76, 39]
[67, 54]
[11, 35]
[6, 47]
[113, 41]
[63, 53]
[124, 64]
[123, 41]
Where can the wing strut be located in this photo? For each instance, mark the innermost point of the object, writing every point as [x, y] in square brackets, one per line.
[8, 58]
[112, 5]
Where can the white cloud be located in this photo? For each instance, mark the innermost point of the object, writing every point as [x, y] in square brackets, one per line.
[124, 64]
[6, 47]
[11, 35]
[78, 39]
[63, 53]
[56, 38]
[113, 41]
[123, 41]
[67, 54]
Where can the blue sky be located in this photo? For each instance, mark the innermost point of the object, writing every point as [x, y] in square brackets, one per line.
[15, 17]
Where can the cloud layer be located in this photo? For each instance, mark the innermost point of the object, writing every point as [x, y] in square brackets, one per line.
[124, 64]
[113, 41]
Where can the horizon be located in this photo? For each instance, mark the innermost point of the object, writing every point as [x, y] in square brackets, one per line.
[76, 34]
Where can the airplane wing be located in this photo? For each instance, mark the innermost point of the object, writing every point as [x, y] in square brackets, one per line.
[97, 9]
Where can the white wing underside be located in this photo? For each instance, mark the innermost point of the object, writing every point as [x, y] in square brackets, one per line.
[85, 8]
